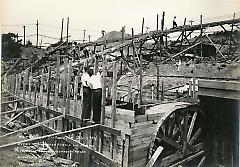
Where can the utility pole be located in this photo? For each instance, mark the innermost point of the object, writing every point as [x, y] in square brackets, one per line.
[89, 38]
[141, 70]
[67, 35]
[84, 32]
[37, 34]
[62, 30]
[24, 35]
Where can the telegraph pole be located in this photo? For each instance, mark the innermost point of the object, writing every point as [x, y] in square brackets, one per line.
[84, 33]
[24, 35]
[37, 34]
[67, 35]
[89, 38]
[62, 30]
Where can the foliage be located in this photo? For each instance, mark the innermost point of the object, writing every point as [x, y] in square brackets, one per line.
[10, 47]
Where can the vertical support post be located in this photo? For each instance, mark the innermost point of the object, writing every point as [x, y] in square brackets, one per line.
[69, 79]
[103, 90]
[37, 34]
[25, 80]
[64, 85]
[114, 94]
[84, 34]
[41, 87]
[162, 92]
[76, 78]
[67, 35]
[61, 38]
[56, 99]
[141, 70]
[129, 91]
[30, 87]
[48, 85]
[194, 82]
[201, 33]
[35, 91]
[133, 47]
[24, 35]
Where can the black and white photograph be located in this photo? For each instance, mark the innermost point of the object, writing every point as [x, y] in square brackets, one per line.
[120, 83]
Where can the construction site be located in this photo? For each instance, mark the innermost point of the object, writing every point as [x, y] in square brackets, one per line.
[170, 97]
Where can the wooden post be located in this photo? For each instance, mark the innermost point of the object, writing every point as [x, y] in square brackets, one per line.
[69, 79]
[24, 36]
[194, 82]
[201, 36]
[129, 91]
[57, 79]
[75, 113]
[25, 80]
[48, 85]
[114, 94]
[37, 34]
[35, 91]
[103, 90]
[162, 92]
[133, 47]
[64, 85]
[41, 87]
[61, 38]
[30, 87]
[152, 91]
[67, 35]
[141, 70]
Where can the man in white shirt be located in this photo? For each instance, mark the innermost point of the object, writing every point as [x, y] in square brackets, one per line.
[95, 83]
[87, 95]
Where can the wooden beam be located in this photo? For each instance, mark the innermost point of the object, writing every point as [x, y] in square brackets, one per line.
[15, 117]
[33, 126]
[51, 135]
[224, 85]
[187, 159]
[13, 101]
[155, 156]
[19, 110]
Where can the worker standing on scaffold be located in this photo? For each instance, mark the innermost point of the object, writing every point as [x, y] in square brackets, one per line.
[87, 94]
[95, 83]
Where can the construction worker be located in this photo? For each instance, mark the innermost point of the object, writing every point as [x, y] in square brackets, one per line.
[174, 22]
[95, 83]
[87, 94]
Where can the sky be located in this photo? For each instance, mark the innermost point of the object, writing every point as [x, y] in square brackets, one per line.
[97, 15]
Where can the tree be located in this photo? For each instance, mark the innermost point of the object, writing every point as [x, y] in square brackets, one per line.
[10, 46]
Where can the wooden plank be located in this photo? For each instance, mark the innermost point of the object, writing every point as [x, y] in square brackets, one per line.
[51, 135]
[13, 101]
[18, 110]
[191, 125]
[225, 85]
[30, 87]
[155, 156]
[229, 94]
[187, 159]
[15, 117]
[32, 126]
